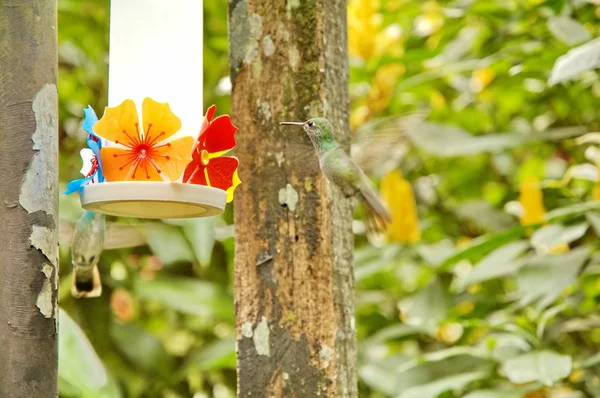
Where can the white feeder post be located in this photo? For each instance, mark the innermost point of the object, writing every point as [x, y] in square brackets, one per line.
[156, 52]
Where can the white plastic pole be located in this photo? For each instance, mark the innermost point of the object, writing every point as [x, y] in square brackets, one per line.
[156, 52]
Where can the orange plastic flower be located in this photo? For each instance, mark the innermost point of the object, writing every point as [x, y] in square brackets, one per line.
[145, 154]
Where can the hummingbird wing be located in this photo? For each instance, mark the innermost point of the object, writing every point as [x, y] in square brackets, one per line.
[341, 170]
[379, 145]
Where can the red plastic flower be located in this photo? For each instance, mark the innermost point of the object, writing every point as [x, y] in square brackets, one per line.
[208, 167]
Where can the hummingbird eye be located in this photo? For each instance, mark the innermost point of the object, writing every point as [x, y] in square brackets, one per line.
[310, 123]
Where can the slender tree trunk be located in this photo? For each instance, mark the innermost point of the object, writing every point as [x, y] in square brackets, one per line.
[29, 199]
[293, 259]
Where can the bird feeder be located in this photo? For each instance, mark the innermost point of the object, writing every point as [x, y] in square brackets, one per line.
[153, 153]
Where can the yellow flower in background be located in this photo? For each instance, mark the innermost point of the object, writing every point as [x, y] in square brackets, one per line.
[398, 194]
[559, 248]
[358, 116]
[364, 22]
[532, 201]
[449, 333]
[366, 37]
[390, 41]
[463, 241]
[596, 189]
[394, 5]
[382, 87]
[481, 78]
[430, 21]
[437, 100]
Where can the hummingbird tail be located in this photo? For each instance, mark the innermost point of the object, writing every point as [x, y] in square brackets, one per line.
[376, 206]
[86, 285]
[375, 228]
[377, 216]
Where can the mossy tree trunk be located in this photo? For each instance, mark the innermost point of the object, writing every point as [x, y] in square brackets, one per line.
[294, 294]
[29, 199]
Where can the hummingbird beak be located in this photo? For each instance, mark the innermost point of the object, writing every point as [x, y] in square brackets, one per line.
[292, 123]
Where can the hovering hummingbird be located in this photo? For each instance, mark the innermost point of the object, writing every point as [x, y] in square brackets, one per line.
[87, 244]
[340, 169]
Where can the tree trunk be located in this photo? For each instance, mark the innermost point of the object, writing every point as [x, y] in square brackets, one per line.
[293, 259]
[29, 199]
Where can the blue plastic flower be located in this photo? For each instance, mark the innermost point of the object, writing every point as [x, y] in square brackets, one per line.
[92, 164]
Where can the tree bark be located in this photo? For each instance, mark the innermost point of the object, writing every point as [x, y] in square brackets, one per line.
[29, 199]
[294, 293]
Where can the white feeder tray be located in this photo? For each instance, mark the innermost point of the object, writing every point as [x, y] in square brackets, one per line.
[153, 199]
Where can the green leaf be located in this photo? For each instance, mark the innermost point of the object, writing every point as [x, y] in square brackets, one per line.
[568, 30]
[545, 277]
[576, 61]
[372, 263]
[167, 242]
[500, 262]
[593, 218]
[484, 245]
[485, 216]
[451, 383]
[546, 367]
[502, 346]
[219, 354]
[188, 296]
[200, 233]
[427, 307]
[378, 378]
[436, 253]
[142, 349]
[571, 211]
[79, 368]
[450, 141]
[518, 392]
[396, 331]
[547, 316]
[549, 236]
[440, 355]
[591, 361]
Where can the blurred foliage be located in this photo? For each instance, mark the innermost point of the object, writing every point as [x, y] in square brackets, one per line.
[488, 286]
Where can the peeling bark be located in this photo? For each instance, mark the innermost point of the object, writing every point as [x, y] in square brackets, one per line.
[294, 294]
[28, 199]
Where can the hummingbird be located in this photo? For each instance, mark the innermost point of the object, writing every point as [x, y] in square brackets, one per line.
[86, 247]
[340, 169]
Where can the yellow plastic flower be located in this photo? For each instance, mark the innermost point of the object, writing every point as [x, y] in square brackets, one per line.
[400, 199]
[532, 201]
[145, 153]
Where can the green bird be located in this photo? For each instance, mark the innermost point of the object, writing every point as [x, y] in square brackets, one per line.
[86, 247]
[340, 169]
